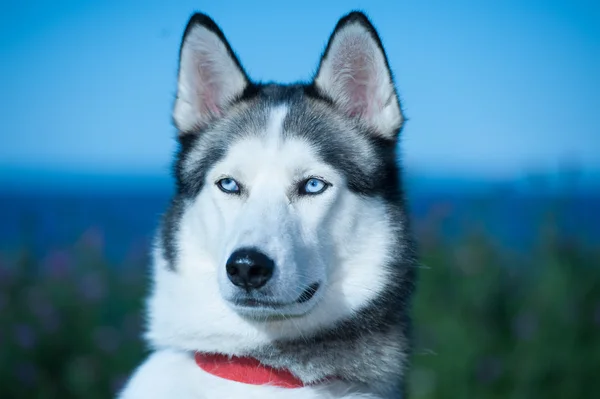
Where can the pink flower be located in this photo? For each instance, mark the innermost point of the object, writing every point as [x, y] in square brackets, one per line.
[58, 264]
[6, 272]
[93, 238]
[24, 336]
[43, 310]
[92, 287]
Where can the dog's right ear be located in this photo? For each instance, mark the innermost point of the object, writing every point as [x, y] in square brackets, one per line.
[210, 75]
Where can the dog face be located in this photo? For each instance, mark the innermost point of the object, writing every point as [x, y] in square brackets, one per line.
[274, 198]
[286, 216]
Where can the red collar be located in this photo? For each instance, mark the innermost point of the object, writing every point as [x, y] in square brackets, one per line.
[246, 370]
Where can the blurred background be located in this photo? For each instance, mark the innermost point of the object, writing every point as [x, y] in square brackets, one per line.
[501, 153]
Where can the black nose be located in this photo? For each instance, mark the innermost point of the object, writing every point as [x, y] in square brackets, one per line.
[249, 268]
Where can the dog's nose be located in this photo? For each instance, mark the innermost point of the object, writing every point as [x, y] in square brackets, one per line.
[249, 268]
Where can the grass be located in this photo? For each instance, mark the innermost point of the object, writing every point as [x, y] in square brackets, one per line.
[489, 323]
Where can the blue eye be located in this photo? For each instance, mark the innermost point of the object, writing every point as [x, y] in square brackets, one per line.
[228, 186]
[313, 186]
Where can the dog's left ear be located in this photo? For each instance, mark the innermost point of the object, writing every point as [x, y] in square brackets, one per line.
[355, 74]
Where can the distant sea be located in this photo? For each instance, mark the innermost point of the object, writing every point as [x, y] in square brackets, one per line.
[121, 219]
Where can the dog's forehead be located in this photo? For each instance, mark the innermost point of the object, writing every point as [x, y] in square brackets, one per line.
[280, 114]
[270, 148]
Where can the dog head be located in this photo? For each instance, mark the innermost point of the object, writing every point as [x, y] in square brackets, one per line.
[287, 216]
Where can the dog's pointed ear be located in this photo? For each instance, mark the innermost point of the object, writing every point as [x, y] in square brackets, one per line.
[210, 75]
[354, 73]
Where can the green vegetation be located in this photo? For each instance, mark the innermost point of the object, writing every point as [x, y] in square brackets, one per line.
[489, 323]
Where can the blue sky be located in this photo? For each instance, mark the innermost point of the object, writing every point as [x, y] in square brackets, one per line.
[491, 88]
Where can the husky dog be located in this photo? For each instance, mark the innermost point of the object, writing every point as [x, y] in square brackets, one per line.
[284, 266]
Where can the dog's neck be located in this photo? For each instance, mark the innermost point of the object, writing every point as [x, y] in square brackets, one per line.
[363, 350]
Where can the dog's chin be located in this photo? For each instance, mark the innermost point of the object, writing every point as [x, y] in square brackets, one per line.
[267, 309]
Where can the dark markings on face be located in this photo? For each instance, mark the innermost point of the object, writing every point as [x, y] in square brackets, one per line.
[169, 229]
[367, 161]
[371, 173]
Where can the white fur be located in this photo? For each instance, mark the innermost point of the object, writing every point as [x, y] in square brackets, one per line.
[172, 374]
[354, 74]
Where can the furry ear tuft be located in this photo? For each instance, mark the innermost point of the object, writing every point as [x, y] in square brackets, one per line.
[210, 75]
[354, 73]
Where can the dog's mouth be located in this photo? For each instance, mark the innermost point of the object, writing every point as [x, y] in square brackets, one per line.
[308, 293]
[306, 296]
